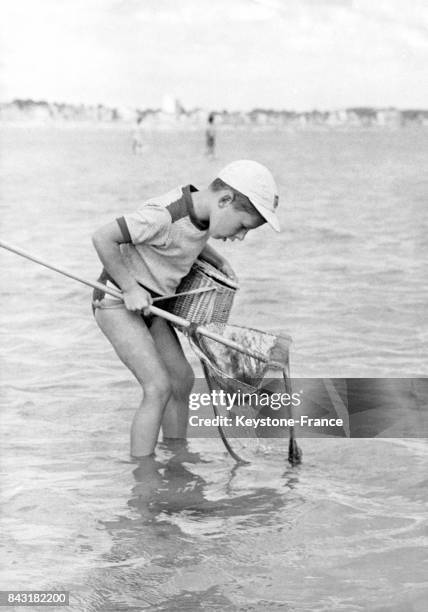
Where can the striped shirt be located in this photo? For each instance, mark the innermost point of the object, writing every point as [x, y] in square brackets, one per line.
[163, 239]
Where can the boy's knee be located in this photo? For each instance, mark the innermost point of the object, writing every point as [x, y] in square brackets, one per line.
[184, 385]
[189, 375]
[190, 379]
[158, 390]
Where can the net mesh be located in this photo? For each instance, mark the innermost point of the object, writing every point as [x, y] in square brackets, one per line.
[237, 373]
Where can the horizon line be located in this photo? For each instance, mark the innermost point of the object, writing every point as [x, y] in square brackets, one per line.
[200, 108]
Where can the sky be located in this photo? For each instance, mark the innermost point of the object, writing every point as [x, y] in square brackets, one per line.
[216, 54]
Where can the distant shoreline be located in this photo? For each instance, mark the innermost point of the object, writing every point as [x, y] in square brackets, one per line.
[130, 128]
[30, 112]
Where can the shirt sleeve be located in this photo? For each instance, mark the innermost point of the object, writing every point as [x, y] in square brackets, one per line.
[150, 224]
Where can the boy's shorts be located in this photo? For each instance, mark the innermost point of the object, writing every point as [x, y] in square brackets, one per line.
[103, 302]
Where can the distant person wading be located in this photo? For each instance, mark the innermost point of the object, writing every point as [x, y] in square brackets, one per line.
[137, 138]
[210, 136]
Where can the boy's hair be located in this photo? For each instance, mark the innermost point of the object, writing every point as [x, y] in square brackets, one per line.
[240, 201]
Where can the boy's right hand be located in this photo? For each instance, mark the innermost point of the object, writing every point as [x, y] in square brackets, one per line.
[137, 299]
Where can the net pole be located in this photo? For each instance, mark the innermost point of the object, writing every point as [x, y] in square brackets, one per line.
[152, 309]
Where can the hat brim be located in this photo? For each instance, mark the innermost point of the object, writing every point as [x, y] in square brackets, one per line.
[269, 215]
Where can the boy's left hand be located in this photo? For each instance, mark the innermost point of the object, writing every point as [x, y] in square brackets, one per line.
[227, 269]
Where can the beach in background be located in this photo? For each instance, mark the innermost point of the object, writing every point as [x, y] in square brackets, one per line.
[346, 279]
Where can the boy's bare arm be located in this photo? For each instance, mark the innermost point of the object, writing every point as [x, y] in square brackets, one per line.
[107, 241]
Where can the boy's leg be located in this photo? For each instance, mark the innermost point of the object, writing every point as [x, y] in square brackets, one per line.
[175, 418]
[135, 346]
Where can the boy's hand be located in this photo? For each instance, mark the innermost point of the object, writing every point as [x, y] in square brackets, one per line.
[137, 299]
[227, 269]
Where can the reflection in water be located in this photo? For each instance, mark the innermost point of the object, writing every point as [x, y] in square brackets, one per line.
[169, 486]
[182, 519]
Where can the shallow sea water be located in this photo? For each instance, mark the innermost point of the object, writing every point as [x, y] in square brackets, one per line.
[190, 530]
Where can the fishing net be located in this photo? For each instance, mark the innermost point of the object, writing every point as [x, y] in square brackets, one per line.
[252, 383]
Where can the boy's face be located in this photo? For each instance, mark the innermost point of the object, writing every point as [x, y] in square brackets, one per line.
[228, 223]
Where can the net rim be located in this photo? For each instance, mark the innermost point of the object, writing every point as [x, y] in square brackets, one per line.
[269, 364]
[215, 273]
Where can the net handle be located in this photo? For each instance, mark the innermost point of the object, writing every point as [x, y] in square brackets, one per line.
[152, 309]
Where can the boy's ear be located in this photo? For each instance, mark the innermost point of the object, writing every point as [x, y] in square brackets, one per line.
[225, 197]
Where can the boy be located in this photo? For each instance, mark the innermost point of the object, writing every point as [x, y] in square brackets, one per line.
[146, 254]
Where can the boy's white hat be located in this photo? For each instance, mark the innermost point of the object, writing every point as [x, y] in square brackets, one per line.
[257, 183]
